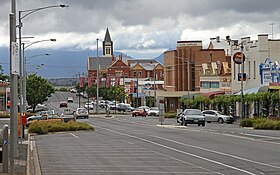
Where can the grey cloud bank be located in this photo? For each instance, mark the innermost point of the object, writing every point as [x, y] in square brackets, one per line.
[140, 25]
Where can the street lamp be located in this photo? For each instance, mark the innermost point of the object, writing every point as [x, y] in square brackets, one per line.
[23, 77]
[20, 17]
[97, 77]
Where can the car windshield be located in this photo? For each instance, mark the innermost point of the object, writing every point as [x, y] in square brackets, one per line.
[193, 112]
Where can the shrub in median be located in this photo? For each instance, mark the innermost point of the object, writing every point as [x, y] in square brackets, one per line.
[44, 127]
[261, 123]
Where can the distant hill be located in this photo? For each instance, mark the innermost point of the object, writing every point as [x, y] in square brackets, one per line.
[59, 64]
[160, 58]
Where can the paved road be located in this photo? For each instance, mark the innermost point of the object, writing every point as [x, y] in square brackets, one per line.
[126, 145]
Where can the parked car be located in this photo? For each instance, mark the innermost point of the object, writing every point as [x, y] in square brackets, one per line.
[146, 108]
[217, 116]
[153, 111]
[81, 113]
[63, 104]
[89, 105]
[123, 107]
[192, 116]
[70, 100]
[139, 112]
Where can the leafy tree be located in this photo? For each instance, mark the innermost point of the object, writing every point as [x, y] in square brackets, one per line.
[2, 76]
[37, 90]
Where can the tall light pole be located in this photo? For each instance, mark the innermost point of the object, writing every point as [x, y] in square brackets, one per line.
[13, 87]
[20, 25]
[24, 66]
[97, 77]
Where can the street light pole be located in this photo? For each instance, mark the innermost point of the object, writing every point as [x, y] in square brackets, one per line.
[97, 77]
[242, 86]
[24, 66]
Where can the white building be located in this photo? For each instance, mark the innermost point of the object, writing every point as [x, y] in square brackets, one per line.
[256, 52]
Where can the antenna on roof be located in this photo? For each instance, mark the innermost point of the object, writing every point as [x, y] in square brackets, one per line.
[272, 29]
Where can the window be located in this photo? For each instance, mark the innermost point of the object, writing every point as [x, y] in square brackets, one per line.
[108, 51]
[249, 73]
[214, 84]
[134, 74]
[234, 73]
[254, 69]
[140, 73]
[160, 74]
[205, 84]
[148, 74]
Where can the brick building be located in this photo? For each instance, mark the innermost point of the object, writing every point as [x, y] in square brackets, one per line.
[183, 68]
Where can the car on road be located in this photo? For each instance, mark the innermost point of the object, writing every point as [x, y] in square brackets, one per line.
[70, 100]
[139, 112]
[89, 105]
[63, 104]
[217, 116]
[153, 111]
[146, 108]
[192, 116]
[81, 113]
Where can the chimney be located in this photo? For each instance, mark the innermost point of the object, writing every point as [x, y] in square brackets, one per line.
[113, 58]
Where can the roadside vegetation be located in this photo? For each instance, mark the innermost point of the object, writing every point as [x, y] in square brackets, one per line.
[261, 123]
[44, 127]
[4, 115]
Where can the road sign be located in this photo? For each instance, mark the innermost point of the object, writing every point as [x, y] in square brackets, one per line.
[15, 59]
[238, 58]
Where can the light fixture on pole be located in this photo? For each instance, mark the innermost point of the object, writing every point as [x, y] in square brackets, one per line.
[25, 46]
[20, 25]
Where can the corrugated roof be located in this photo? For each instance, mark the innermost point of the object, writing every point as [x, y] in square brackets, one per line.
[104, 62]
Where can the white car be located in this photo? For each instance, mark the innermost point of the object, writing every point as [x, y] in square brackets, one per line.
[146, 108]
[81, 113]
[89, 105]
[153, 111]
[217, 116]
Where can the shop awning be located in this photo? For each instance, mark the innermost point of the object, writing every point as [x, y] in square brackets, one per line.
[262, 88]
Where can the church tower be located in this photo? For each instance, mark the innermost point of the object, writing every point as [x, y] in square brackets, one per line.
[107, 45]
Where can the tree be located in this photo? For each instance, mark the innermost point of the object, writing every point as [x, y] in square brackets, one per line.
[2, 76]
[37, 90]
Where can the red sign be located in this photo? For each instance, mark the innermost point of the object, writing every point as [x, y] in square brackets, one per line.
[117, 81]
[82, 82]
[90, 81]
[238, 58]
[108, 82]
[131, 86]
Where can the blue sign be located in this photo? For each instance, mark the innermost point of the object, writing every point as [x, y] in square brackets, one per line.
[148, 86]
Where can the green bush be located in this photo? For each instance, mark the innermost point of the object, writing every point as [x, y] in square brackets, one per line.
[44, 127]
[247, 122]
[4, 115]
[170, 115]
[261, 123]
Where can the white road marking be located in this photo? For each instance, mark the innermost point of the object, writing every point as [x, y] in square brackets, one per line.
[183, 152]
[269, 137]
[216, 152]
[74, 135]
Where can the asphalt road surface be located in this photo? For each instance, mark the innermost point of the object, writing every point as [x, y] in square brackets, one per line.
[126, 145]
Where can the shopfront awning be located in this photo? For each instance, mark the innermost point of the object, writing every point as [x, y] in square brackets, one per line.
[262, 88]
[212, 95]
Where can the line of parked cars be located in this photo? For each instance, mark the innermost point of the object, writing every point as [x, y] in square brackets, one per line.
[195, 116]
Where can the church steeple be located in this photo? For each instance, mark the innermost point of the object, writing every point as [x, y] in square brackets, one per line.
[107, 44]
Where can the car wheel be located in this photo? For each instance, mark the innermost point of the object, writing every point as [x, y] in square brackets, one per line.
[220, 120]
[203, 124]
[198, 124]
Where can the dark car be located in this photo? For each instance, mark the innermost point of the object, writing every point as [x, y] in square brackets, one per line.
[139, 112]
[63, 104]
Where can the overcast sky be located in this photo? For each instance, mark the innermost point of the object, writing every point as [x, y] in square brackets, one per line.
[142, 28]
